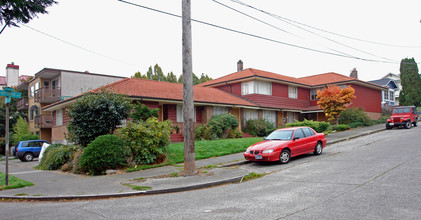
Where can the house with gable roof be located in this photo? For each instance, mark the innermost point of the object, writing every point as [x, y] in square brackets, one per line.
[287, 99]
[247, 94]
[390, 97]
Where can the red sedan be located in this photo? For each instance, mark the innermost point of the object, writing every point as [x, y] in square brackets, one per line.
[282, 144]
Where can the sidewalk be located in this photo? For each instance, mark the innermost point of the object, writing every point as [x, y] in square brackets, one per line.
[57, 185]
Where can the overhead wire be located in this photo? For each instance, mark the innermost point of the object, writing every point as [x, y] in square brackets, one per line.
[254, 35]
[77, 46]
[312, 32]
[319, 29]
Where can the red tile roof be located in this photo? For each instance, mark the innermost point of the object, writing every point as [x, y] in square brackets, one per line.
[325, 78]
[143, 88]
[269, 101]
[250, 73]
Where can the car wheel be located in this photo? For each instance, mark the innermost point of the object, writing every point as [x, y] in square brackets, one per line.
[318, 149]
[28, 157]
[388, 126]
[408, 125]
[285, 156]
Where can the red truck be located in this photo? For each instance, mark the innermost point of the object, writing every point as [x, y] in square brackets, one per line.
[403, 116]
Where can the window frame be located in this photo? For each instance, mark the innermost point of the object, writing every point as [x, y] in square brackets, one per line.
[292, 92]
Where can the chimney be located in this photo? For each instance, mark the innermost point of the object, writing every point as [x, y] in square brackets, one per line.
[354, 73]
[239, 66]
[12, 75]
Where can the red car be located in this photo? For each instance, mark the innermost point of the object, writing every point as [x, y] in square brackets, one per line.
[282, 144]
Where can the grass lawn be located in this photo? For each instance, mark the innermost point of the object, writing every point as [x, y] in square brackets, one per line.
[203, 150]
[14, 182]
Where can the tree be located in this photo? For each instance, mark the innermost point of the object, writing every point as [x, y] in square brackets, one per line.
[333, 100]
[96, 114]
[14, 114]
[143, 112]
[21, 131]
[21, 11]
[411, 83]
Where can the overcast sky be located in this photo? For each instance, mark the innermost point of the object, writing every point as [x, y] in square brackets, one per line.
[115, 38]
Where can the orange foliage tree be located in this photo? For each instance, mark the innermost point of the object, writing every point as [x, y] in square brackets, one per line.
[333, 100]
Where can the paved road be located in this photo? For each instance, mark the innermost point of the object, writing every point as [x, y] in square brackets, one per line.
[373, 177]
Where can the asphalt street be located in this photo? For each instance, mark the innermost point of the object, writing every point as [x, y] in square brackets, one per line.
[377, 176]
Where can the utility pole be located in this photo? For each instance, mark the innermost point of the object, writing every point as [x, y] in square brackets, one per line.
[188, 107]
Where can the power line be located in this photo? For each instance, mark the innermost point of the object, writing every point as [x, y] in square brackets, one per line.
[74, 45]
[319, 29]
[256, 36]
[238, 11]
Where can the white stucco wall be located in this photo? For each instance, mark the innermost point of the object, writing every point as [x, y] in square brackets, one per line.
[73, 84]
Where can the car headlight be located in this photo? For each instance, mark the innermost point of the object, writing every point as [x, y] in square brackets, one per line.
[247, 151]
[267, 151]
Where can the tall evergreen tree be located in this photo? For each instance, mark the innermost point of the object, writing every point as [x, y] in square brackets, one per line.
[411, 83]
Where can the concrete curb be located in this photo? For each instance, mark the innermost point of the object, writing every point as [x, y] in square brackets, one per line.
[355, 136]
[161, 191]
[120, 195]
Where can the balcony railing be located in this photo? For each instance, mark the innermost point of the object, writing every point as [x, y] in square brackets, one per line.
[22, 104]
[47, 95]
[44, 121]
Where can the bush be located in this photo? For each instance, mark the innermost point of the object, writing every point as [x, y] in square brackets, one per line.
[340, 127]
[258, 128]
[21, 132]
[55, 156]
[318, 126]
[205, 132]
[105, 152]
[356, 124]
[143, 112]
[222, 122]
[351, 115]
[96, 114]
[147, 140]
[235, 133]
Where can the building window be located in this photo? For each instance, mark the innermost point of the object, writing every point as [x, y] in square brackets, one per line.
[256, 87]
[180, 113]
[386, 95]
[292, 92]
[33, 112]
[31, 92]
[313, 94]
[392, 95]
[264, 88]
[250, 114]
[219, 110]
[36, 86]
[270, 116]
[59, 117]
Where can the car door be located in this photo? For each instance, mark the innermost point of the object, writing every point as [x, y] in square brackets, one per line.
[299, 143]
[311, 140]
[37, 147]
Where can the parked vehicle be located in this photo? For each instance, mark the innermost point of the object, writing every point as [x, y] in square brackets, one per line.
[403, 116]
[28, 150]
[282, 144]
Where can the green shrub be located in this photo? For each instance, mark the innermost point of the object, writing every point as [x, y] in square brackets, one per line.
[258, 127]
[340, 127]
[21, 132]
[146, 140]
[222, 122]
[143, 112]
[96, 114]
[105, 152]
[356, 124]
[235, 133]
[351, 115]
[205, 132]
[55, 156]
[318, 126]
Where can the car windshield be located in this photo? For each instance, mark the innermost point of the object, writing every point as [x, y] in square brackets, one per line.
[401, 110]
[280, 135]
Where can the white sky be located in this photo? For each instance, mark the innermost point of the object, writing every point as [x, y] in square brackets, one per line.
[135, 38]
